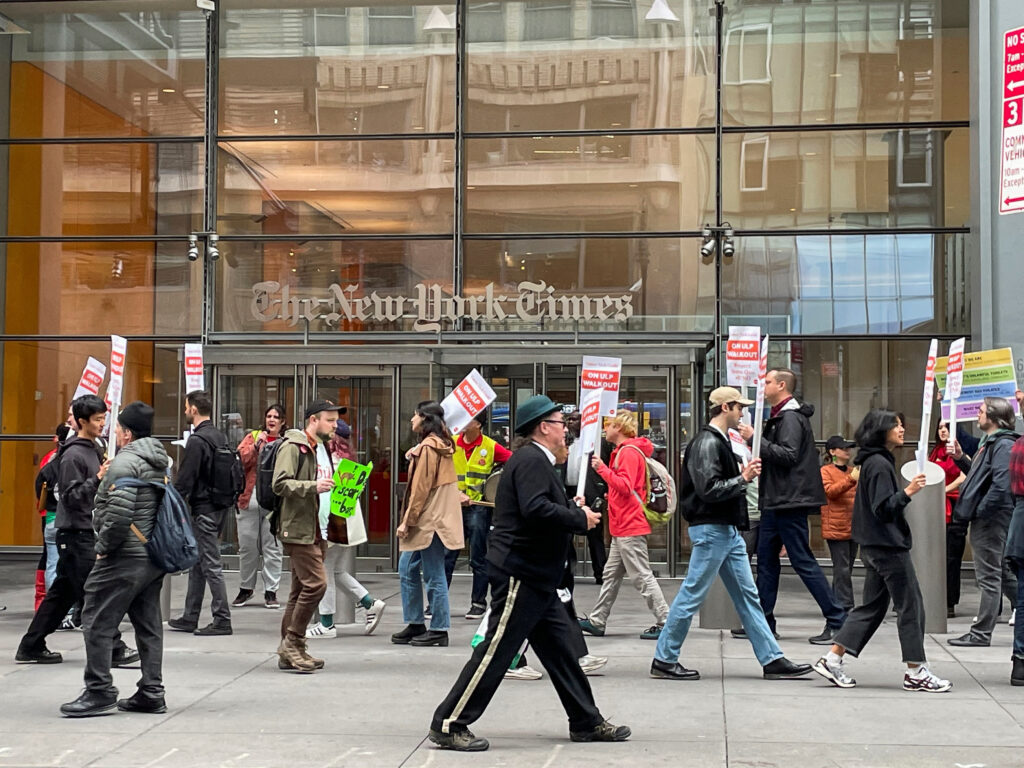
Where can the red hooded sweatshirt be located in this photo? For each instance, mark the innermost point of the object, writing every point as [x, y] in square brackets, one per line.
[625, 473]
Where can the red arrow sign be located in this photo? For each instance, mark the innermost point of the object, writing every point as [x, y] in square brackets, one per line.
[1011, 200]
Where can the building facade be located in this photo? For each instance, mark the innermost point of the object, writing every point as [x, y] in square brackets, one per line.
[383, 196]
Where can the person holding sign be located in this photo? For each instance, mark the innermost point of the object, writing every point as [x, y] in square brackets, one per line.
[627, 557]
[431, 522]
[530, 545]
[880, 528]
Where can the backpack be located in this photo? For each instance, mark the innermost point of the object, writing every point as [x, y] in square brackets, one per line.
[659, 503]
[227, 478]
[264, 488]
[172, 545]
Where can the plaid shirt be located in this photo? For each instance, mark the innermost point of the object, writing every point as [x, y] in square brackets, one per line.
[1017, 468]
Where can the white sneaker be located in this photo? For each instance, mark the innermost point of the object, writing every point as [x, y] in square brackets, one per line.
[834, 673]
[923, 679]
[591, 664]
[523, 673]
[373, 616]
[319, 632]
[1013, 615]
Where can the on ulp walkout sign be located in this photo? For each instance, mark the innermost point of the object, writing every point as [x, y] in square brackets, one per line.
[430, 308]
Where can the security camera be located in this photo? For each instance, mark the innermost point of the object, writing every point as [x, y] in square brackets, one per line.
[728, 249]
[193, 248]
[707, 248]
[212, 251]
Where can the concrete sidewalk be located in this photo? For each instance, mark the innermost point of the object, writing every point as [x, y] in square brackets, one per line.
[230, 707]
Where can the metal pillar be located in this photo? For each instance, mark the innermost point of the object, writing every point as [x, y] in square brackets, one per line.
[344, 606]
[718, 611]
[165, 598]
[926, 515]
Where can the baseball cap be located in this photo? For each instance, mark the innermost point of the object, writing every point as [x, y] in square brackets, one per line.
[838, 441]
[320, 405]
[725, 395]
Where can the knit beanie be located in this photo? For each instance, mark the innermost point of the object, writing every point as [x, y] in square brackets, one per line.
[137, 417]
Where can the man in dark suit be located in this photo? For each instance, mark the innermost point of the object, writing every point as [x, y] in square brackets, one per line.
[534, 523]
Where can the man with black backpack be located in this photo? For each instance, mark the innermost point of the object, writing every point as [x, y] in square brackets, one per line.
[124, 580]
[206, 481]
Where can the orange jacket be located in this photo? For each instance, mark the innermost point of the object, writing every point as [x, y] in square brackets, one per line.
[837, 514]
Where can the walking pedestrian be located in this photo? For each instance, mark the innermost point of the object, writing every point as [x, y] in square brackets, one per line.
[986, 505]
[628, 556]
[594, 491]
[840, 482]
[956, 530]
[1015, 556]
[534, 524]
[297, 483]
[81, 468]
[431, 522]
[880, 528]
[791, 489]
[713, 500]
[340, 559]
[124, 580]
[255, 541]
[194, 482]
[47, 494]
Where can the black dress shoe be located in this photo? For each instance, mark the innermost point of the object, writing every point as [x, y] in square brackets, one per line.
[124, 657]
[968, 641]
[741, 634]
[213, 629]
[142, 703]
[604, 732]
[429, 638]
[44, 656]
[827, 636]
[665, 671]
[406, 635]
[784, 669]
[180, 625]
[90, 704]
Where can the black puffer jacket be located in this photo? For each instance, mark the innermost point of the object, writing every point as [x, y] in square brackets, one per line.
[117, 508]
[791, 478]
[880, 502]
[711, 488]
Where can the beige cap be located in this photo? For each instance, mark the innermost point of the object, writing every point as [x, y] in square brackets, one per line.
[724, 395]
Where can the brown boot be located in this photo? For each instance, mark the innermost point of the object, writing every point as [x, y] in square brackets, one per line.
[290, 657]
[301, 643]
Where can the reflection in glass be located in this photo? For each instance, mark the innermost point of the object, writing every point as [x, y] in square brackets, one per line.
[359, 69]
[559, 65]
[90, 69]
[846, 179]
[275, 286]
[593, 284]
[837, 61]
[92, 190]
[848, 284]
[334, 187]
[131, 289]
[588, 183]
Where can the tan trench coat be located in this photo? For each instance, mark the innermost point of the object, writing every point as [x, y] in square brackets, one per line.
[432, 497]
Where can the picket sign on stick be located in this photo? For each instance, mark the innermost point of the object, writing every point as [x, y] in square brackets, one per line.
[590, 426]
[955, 377]
[602, 373]
[926, 405]
[92, 377]
[465, 401]
[118, 353]
[742, 355]
[762, 372]
[194, 373]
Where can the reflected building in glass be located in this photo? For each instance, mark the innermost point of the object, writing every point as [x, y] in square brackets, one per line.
[403, 192]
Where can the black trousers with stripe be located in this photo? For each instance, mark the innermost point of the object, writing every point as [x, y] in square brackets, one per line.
[520, 611]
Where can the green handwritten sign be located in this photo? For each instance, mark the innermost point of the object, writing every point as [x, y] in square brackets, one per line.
[350, 479]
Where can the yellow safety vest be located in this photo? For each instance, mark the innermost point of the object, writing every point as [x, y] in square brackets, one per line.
[474, 472]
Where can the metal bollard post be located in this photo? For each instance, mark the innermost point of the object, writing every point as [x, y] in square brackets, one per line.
[344, 605]
[718, 611]
[926, 515]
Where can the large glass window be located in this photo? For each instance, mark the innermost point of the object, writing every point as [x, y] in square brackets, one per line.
[838, 61]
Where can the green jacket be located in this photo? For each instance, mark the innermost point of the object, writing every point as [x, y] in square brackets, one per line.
[295, 483]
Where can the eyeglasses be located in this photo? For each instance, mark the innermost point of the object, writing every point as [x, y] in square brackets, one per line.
[553, 421]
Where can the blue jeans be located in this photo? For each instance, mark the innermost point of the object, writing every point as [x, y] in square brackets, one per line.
[718, 550]
[476, 523]
[1018, 623]
[431, 561]
[789, 528]
[50, 540]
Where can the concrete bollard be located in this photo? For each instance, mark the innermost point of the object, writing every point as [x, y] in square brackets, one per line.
[718, 611]
[344, 605]
[926, 515]
[165, 598]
